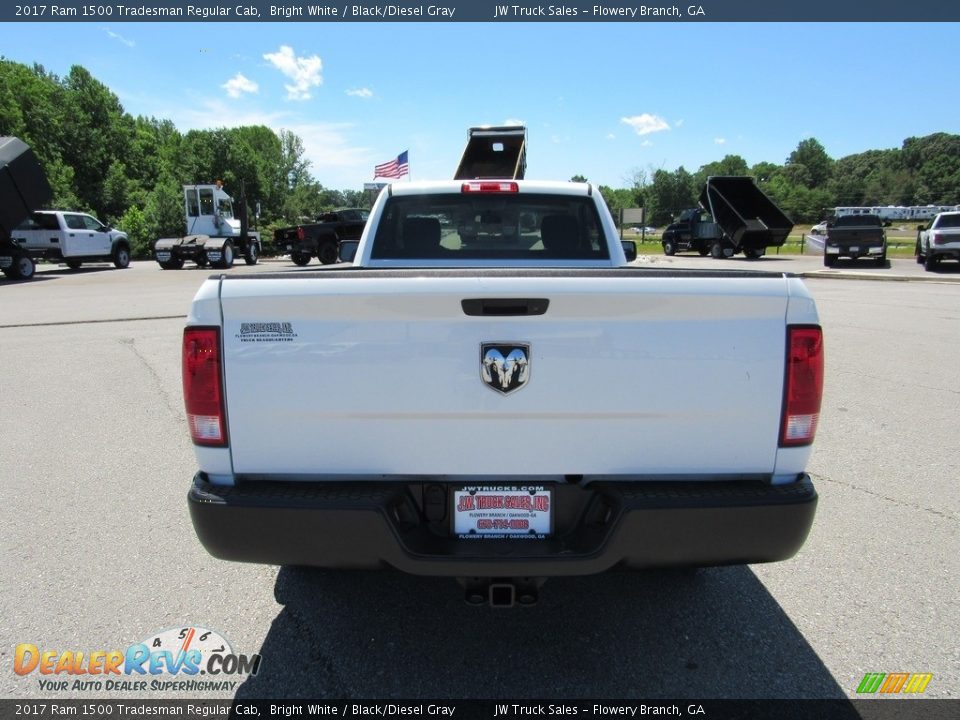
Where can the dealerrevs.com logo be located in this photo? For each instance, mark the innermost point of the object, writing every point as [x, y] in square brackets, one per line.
[176, 659]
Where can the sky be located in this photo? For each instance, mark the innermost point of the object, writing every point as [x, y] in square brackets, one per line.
[602, 100]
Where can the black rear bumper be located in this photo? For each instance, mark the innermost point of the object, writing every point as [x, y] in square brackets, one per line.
[597, 527]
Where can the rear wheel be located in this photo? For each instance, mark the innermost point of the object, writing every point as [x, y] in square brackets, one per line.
[121, 256]
[703, 251]
[174, 264]
[252, 256]
[882, 260]
[22, 268]
[829, 260]
[930, 261]
[300, 259]
[752, 253]
[668, 248]
[716, 250]
[919, 255]
[328, 252]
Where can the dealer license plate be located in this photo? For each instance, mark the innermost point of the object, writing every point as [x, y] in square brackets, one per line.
[855, 248]
[503, 511]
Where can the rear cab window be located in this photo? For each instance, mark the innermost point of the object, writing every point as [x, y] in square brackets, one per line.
[489, 227]
[40, 221]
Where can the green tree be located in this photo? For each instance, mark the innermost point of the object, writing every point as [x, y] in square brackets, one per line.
[813, 156]
[617, 200]
[134, 223]
[935, 163]
[729, 165]
[668, 194]
[99, 134]
[164, 210]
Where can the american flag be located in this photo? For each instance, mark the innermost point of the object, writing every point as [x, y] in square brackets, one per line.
[394, 169]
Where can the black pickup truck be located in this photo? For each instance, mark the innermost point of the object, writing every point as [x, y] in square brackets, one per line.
[855, 236]
[321, 239]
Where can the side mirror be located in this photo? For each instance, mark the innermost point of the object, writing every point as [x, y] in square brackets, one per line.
[629, 249]
[921, 228]
[348, 250]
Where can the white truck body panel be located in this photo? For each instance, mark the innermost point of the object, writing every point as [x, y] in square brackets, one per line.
[383, 377]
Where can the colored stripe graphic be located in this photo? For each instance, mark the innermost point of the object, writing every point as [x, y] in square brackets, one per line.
[918, 682]
[871, 682]
[894, 683]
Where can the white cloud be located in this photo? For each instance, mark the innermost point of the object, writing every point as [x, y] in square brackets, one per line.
[303, 71]
[238, 84]
[513, 121]
[119, 37]
[646, 123]
[678, 123]
[647, 143]
[361, 93]
[719, 141]
[611, 136]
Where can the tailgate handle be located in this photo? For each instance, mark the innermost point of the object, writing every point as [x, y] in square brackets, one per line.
[504, 307]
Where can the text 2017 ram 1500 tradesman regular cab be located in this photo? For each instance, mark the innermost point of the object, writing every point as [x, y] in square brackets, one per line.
[469, 406]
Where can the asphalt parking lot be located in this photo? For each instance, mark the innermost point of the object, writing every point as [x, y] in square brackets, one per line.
[97, 550]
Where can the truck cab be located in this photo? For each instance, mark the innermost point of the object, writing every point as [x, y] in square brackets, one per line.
[209, 211]
[693, 229]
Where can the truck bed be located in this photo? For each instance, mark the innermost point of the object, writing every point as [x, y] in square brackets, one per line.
[748, 217]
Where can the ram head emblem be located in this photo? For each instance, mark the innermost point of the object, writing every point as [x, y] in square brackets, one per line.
[504, 367]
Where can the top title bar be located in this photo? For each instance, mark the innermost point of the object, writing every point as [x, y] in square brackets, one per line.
[486, 11]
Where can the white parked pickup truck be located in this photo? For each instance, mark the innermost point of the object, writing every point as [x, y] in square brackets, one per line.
[940, 240]
[73, 238]
[500, 406]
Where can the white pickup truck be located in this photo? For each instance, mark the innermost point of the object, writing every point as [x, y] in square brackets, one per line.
[73, 238]
[514, 404]
[940, 240]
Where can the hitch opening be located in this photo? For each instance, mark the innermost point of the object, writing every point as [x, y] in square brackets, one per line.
[501, 592]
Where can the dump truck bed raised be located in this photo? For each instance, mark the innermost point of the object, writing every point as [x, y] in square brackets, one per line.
[748, 217]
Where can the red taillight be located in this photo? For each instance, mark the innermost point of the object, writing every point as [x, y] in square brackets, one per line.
[203, 385]
[802, 385]
[300, 233]
[489, 186]
[939, 239]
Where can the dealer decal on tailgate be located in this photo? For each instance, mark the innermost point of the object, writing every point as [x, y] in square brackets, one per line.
[502, 512]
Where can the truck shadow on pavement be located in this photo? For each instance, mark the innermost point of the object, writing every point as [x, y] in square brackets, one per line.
[716, 633]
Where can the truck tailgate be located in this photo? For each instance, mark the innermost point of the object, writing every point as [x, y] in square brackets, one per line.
[352, 373]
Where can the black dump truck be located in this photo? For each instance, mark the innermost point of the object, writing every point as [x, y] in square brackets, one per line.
[321, 239]
[734, 216]
[23, 189]
[494, 152]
